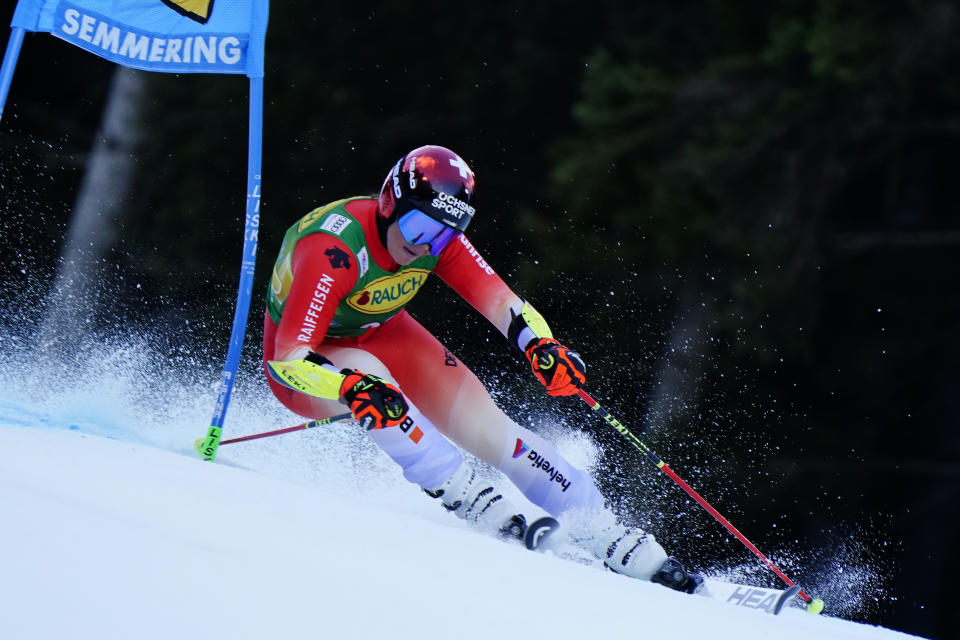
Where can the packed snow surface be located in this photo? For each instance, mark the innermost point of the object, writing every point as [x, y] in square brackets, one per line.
[110, 535]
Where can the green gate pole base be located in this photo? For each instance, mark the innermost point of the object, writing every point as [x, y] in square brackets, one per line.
[208, 448]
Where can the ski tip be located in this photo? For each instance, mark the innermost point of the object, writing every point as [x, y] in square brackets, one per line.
[785, 597]
[815, 606]
[198, 446]
[538, 530]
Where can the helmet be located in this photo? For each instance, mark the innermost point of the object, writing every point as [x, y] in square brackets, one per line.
[433, 180]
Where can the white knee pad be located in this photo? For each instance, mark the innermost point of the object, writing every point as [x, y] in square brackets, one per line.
[474, 499]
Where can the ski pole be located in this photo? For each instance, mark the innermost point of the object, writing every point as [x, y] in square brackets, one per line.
[814, 605]
[310, 424]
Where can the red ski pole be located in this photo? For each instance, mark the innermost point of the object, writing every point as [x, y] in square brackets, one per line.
[266, 434]
[814, 605]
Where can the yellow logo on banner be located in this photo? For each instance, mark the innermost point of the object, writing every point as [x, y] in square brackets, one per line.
[198, 10]
[388, 293]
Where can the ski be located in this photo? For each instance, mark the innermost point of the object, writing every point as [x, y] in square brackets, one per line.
[540, 535]
[749, 597]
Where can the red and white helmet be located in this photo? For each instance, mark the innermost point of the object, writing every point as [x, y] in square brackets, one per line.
[433, 180]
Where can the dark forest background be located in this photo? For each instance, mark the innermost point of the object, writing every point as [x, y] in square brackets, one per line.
[743, 215]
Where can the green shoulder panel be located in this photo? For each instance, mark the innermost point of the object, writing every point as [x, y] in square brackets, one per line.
[378, 294]
[321, 220]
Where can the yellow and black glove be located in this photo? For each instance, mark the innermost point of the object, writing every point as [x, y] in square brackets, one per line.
[374, 402]
[560, 370]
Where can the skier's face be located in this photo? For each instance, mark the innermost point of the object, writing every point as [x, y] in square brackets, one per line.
[402, 251]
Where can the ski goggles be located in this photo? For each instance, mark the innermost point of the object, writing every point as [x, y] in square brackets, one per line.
[416, 227]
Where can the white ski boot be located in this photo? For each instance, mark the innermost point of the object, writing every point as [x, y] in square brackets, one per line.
[636, 554]
[478, 501]
[631, 552]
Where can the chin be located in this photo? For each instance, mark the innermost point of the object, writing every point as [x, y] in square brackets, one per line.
[402, 258]
[406, 256]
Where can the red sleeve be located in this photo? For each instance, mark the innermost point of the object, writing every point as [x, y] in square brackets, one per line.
[463, 268]
[324, 272]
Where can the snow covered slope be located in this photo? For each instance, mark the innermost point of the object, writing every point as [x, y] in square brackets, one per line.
[107, 538]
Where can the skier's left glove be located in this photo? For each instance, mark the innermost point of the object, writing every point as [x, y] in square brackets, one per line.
[560, 370]
[374, 402]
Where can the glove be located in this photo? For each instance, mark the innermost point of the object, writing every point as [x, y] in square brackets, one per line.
[374, 402]
[560, 370]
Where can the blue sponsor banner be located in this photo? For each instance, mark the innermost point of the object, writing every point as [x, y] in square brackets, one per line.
[173, 36]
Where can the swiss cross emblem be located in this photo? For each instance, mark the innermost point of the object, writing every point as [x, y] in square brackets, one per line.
[461, 166]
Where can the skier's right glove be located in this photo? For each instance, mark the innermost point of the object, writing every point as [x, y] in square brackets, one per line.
[560, 370]
[374, 402]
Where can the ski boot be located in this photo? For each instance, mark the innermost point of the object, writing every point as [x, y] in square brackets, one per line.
[631, 552]
[476, 500]
[673, 575]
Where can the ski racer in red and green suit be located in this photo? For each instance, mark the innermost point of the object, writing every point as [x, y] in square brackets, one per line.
[336, 332]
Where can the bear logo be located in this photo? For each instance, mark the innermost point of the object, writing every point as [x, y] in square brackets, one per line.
[339, 259]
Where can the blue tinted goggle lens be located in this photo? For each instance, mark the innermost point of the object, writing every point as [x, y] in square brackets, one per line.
[417, 228]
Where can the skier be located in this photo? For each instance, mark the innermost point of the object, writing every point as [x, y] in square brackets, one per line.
[335, 331]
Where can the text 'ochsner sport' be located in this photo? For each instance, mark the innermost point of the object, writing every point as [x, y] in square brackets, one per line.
[136, 46]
